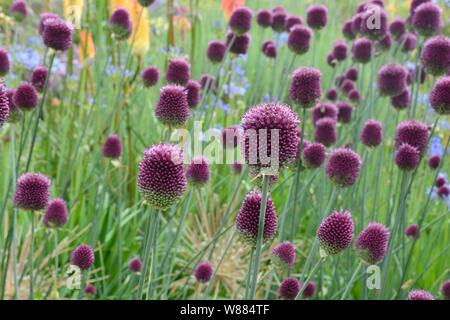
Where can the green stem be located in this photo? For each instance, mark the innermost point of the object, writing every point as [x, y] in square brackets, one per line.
[31, 258]
[313, 271]
[352, 280]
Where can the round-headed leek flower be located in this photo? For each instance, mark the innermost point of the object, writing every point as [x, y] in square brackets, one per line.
[440, 96]
[343, 167]
[283, 255]
[436, 55]
[335, 233]
[371, 244]
[32, 191]
[82, 257]
[203, 272]
[56, 214]
[420, 295]
[289, 288]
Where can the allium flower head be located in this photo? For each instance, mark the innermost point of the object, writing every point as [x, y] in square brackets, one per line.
[278, 21]
[90, 290]
[440, 181]
[391, 80]
[193, 93]
[237, 167]
[56, 214]
[347, 30]
[335, 233]
[436, 55]
[4, 105]
[247, 220]
[240, 43]
[402, 101]
[407, 157]
[324, 110]
[310, 290]
[178, 72]
[39, 77]
[5, 64]
[198, 172]
[412, 231]
[314, 155]
[299, 39]
[258, 124]
[264, 18]
[362, 50]
[317, 16]
[408, 42]
[372, 133]
[414, 133]
[325, 131]
[203, 272]
[216, 51]
[161, 178]
[283, 255]
[25, 97]
[352, 74]
[367, 25]
[443, 192]
[385, 43]
[343, 167]
[112, 148]
[331, 60]
[292, 21]
[32, 191]
[332, 94]
[347, 86]
[289, 289]
[340, 50]
[445, 289]
[150, 76]
[354, 95]
[371, 244]
[440, 96]
[82, 257]
[121, 24]
[427, 19]
[19, 10]
[345, 110]
[43, 17]
[57, 34]
[434, 162]
[356, 23]
[270, 51]
[420, 295]
[305, 87]
[135, 265]
[241, 20]
[415, 4]
[172, 108]
[397, 28]
[207, 82]
[231, 136]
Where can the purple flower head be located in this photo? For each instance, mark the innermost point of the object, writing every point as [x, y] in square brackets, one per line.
[264, 18]
[414, 133]
[440, 96]
[305, 87]
[18, 10]
[434, 162]
[43, 17]
[407, 157]
[397, 28]
[325, 131]
[172, 108]
[39, 77]
[289, 289]
[135, 265]
[347, 86]
[270, 51]
[420, 295]
[415, 4]
[299, 39]
[121, 25]
[445, 289]
[345, 110]
[443, 192]
[178, 72]
[25, 97]
[82, 257]
[283, 255]
[278, 21]
[5, 64]
[56, 214]
[324, 110]
[203, 272]
[402, 101]
[150, 77]
[340, 50]
[240, 43]
[292, 21]
[32, 192]
[216, 51]
[314, 155]
[231, 136]
[335, 233]
[440, 182]
[436, 55]
[332, 94]
[197, 172]
[371, 30]
[356, 23]
[57, 34]
[193, 93]
[112, 148]
[241, 20]
[343, 167]
[317, 16]
[385, 43]
[427, 19]
[90, 290]
[362, 50]
[372, 134]
[4, 104]
[408, 42]
[207, 82]
[391, 80]
[237, 167]
[258, 123]
[161, 178]
[371, 244]
[310, 290]
[247, 220]
[412, 231]
[347, 30]
[331, 60]
[352, 74]
[354, 95]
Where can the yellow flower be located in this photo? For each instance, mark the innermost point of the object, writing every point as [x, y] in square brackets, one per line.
[73, 10]
[86, 46]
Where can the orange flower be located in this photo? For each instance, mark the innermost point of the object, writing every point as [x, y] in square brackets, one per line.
[86, 46]
[228, 6]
